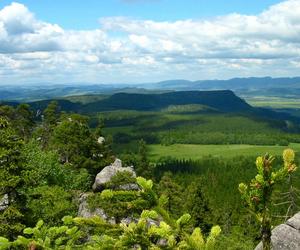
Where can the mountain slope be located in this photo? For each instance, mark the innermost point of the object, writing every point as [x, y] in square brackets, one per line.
[225, 101]
[251, 83]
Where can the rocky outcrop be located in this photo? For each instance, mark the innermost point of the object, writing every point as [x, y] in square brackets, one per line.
[108, 172]
[103, 178]
[4, 202]
[286, 236]
[85, 212]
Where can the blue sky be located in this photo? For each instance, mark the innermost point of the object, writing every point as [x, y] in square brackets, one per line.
[136, 41]
[78, 14]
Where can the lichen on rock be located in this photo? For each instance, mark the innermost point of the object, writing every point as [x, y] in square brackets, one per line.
[285, 236]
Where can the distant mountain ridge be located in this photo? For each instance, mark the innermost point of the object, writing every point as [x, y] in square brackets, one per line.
[224, 101]
[234, 83]
[284, 86]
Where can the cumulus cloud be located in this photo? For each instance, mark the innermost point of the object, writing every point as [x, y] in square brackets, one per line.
[21, 32]
[146, 50]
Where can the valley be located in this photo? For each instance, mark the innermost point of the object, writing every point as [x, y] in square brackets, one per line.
[196, 146]
[150, 125]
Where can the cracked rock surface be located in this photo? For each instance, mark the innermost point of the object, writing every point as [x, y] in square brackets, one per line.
[286, 236]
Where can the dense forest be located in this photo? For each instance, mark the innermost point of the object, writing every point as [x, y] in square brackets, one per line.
[50, 159]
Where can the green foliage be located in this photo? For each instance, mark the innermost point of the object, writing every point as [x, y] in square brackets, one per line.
[197, 205]
[50, 203]
[59, 161]
[72, 140]
[11, 166]
[77, 145]
[148, 232]
[172, 193]
[145, 184]
[24, 121]
[236, 240]
[121, 203]
[258, 194]
[119, 179]
[196, 128]
[195, 151]
[43, 237]
[42, 167]
[142, 165]
[51, 113]
[163, 235]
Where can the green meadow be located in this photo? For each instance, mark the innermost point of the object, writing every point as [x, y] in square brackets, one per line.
[194, 152]
[274, 102]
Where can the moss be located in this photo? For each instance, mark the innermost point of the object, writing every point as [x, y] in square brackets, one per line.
[121, 178]
[120, 204]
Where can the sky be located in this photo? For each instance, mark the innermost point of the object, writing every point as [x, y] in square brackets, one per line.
[136, 41]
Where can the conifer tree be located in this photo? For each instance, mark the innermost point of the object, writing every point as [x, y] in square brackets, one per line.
[10, 180]
[197, 206]
[173, 192]
[24, 120]
[143, 167]
[51, 113]
[257, 195]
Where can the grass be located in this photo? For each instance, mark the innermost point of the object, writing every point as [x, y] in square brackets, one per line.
[194, 152]
[274, 102]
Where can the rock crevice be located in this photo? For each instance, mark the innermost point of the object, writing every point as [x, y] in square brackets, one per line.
[286, 236]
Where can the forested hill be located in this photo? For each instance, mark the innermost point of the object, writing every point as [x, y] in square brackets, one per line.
[224, 100]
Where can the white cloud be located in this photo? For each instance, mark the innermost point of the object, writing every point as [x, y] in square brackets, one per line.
[146, 50]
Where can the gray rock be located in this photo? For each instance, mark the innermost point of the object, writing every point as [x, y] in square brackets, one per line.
[294, 221]
[162, 242]
[129, 186]
[286, 236]
[151, 222]
[85, 212]
[129, 220]
[108, 172]
[4, 202]
[101, 140]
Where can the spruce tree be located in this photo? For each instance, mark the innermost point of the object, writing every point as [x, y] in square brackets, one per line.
[10, 180]
[143, 167]
[51, 113]
[24, 120]
[197, 205]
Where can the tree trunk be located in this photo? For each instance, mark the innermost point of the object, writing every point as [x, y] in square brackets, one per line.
[266, 233]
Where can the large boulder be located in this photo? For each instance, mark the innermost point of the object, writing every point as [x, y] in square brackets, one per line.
[108, 172]
[286, 236]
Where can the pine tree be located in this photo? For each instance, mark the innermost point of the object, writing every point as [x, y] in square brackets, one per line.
[257, 195]
[143, 167]
[173, 192]
[10, 180]
[197, 205]
[51, 113]
[24, 120]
